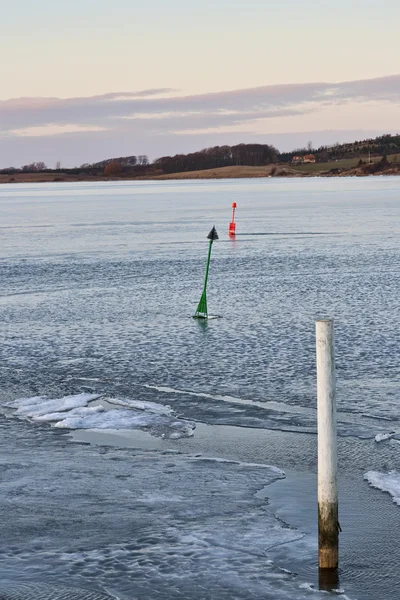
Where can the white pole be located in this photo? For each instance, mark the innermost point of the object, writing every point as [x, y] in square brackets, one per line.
[328, 523]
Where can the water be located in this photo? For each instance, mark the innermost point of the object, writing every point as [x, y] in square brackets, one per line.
[98, 285]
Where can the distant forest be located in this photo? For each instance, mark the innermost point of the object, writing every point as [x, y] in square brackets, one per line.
[255, 155]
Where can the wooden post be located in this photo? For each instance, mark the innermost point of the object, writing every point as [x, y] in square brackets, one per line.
[328, 523]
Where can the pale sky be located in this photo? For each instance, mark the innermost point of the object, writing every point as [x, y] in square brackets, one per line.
[213, 55]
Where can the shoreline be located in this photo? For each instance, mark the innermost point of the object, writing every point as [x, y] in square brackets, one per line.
[269, 172]
[180, 178]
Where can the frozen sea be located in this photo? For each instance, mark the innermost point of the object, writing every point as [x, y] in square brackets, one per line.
[146, 455]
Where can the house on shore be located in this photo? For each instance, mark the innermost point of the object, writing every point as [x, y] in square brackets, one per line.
[307, 158]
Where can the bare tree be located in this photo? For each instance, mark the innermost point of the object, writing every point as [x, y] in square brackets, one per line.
[58, 165]
[143, 159]
[35, 166]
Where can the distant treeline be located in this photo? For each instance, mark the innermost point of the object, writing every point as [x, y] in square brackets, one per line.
[255, 155]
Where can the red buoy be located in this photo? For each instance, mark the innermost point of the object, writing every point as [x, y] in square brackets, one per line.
[232, 224]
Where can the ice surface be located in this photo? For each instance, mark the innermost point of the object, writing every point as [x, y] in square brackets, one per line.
[72, 412]
[40, 406]
[77, 303]
[94, 286]
[381, 437]
[243, 464]
[159, 425]
[223, 410]
[151, 407]
[387, 482]
[199, 394]
[144, 524]
[82, 411]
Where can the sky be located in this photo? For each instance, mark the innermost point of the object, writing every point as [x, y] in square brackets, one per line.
[85, 80]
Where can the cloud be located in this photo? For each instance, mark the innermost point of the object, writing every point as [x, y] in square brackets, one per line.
[148, 116]
[243, 104]
[53, 130]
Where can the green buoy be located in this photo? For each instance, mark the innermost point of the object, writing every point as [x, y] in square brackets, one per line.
[201, 312]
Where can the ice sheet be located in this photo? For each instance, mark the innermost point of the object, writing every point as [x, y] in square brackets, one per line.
[159, 425]
[223, 410]
[387, 482]
[144, 524]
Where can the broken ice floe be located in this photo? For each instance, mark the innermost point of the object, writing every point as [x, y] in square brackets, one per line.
[381, 437]
[386, 482]
[73, 412]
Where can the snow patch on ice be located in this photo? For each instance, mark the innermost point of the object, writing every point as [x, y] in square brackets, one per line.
[386, 482]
